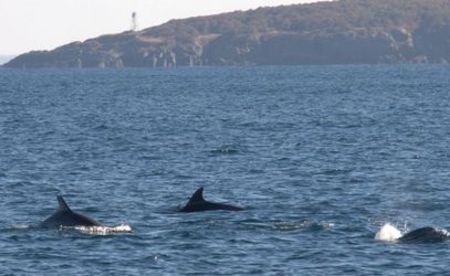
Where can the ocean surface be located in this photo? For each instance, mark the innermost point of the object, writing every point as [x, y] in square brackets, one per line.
[320, 157]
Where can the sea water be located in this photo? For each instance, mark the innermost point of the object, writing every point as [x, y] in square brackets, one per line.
[320, 157]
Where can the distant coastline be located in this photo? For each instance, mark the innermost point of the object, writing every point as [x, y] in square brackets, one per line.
[337, 32]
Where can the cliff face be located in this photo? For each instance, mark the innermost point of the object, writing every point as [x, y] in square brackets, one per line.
[340, 32]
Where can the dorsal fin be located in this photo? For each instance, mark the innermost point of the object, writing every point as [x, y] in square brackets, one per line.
[197, 196]
[62, 204]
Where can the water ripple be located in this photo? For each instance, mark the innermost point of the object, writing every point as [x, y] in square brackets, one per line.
[321, 158]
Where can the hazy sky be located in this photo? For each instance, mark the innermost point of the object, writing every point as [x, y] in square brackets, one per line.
[27, 25]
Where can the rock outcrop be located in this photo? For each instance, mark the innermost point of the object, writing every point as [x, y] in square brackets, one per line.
[339, 32]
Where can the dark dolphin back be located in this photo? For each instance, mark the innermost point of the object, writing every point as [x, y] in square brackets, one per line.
[425, 234]
[222, 206]
[197, 204]
[64, 216]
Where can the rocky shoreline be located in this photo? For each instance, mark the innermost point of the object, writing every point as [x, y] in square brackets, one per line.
[339, 32]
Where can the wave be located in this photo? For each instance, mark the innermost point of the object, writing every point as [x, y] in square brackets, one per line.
[225, 150]
[16, 227]
[303, 226]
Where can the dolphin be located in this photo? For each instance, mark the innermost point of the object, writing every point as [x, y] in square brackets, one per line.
[424, 234]
[197, 204]
[66, 217]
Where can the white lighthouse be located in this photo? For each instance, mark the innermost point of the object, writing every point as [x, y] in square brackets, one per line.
[133, 21]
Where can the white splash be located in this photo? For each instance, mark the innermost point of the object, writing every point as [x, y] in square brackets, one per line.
[444, 232]
[388, 233]
[104, 230]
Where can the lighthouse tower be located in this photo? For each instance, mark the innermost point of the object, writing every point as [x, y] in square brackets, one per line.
[133, 22]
